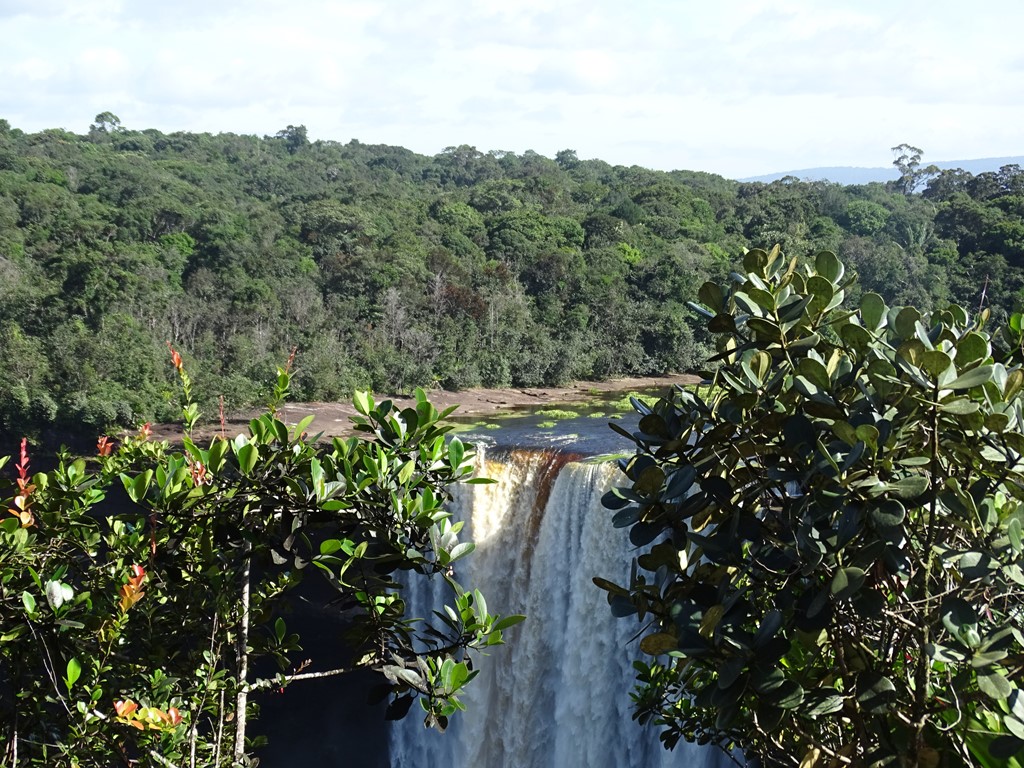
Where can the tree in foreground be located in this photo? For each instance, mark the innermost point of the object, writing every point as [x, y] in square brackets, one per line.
[833, 562]
[130, 628]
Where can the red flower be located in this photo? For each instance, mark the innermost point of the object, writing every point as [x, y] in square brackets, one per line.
[175, 357]
[25, 489]
[23, 464]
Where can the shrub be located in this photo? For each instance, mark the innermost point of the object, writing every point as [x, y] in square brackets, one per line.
[137, 588]
[833, 563]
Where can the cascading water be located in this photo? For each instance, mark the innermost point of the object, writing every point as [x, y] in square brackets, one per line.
[557, 695]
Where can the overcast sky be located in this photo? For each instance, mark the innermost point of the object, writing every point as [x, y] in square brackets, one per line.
[737, 87]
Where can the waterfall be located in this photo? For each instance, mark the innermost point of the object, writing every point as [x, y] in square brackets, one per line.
[557, 695]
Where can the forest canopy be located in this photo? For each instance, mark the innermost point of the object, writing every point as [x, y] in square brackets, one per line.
[389, 269]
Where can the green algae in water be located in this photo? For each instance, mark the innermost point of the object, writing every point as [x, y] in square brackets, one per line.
[547, 424]
[623, 403]
[557, 413]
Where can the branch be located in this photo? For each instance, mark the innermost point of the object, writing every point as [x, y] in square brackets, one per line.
[266, 683]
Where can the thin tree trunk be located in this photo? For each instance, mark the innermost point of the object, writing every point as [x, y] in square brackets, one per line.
[242, 654]
[220, 732]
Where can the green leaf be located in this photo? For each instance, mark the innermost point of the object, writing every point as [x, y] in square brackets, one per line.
[301, 426]
[74, 671]
[405, 473]
[1013, 531]
[976, 565]
[845, 432]
[935, 362]
[846, 582]
[363, 402]
[764, 299]
[982, 659]
[456, 452]
[994, 685]
[658, 643]
[330, 546]
[609, 586]
[888, 514]
[906, 322]
[680, 482]
[765, 329]
[703, 311]
[910, 487]
[1014, 384]
[815, 372]
[650, 481]
[872, 310]
[855, 336]
[770, 626]
[972, 378]
[29, 602]
[722, 324]
[789, 695]
[461, 550]
[15, 632]
[828, 266]
[971, 348]
[868, 434]
[824, 703]
[754, 260]
[508, 621]
[875, 692]
[137, 486]
[798, 430]
[944, 653]
[958, 614]
[247, 455]
[822, 289]
[711, 295]
[760, 364]
[960, 407]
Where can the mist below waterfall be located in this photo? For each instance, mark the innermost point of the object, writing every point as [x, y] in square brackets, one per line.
[557, 695]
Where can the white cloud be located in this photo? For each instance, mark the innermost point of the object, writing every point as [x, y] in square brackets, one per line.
[740, 87]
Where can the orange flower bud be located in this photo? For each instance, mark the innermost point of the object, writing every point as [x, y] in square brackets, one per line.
[175, 357]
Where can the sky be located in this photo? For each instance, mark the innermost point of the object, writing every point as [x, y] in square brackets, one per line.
[736, 87]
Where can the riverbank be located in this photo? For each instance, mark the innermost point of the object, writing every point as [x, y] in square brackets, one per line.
[334, 418]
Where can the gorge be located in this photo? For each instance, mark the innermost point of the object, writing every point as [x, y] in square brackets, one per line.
[558, 693]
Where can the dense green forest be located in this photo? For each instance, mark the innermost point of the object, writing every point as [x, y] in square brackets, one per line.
[389, 269]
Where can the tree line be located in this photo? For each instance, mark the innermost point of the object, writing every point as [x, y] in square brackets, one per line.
[389, 270]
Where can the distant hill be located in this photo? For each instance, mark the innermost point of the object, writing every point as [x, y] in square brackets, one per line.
[852, 175]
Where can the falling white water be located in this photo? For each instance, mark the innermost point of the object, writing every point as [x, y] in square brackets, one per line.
[557, 694]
